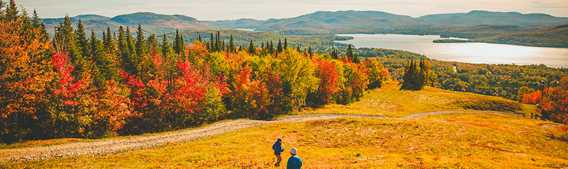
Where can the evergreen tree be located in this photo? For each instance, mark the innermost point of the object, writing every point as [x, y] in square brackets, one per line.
[166, 48]
[349, 52]
[231, 44]
[153, 44]
[285, 43]
[271, 48]
[414, 79]
[68, 43]
[199, 37]
[12, 10]
[123, 47]
[108, 41]
[176, 43]
[37, 23]
[334, 54]
[82, 39]
[251, 48]
[279, 48]
[217, 41]
[310, 52]
[140, 44]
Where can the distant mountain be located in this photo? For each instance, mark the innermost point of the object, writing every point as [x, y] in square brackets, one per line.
[340, 22]
[478, 17]
[471, 23]
[151, 22]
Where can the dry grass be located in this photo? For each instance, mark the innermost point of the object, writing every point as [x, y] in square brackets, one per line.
[466, 140]
[392, 102]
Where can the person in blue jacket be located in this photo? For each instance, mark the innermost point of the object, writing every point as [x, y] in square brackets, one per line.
[294, 162]
[278, 149]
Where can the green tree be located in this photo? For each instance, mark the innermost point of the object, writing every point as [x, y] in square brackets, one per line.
[279, 48]
[82, 42]
[251, 48]
[12, 10]
[231, 44]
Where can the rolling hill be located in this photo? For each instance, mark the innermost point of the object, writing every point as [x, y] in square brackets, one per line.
[484, 26]
[329, 22]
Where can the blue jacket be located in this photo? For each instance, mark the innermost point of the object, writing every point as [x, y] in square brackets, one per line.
[294, 162]
[277, 147]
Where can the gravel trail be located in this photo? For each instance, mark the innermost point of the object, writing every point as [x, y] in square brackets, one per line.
[115, 145]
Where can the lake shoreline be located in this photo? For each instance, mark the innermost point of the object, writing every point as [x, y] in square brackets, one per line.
[460, 51]
[443, 38]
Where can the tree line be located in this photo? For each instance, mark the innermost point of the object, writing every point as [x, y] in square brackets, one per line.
[121, 82]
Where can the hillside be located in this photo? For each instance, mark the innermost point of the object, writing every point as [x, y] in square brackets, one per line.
[458, 138]
[484, 26]
[340, 22]
[478, 17]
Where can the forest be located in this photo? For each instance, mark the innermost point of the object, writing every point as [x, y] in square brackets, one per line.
[126, 82]
[84, 83]
[530, 84]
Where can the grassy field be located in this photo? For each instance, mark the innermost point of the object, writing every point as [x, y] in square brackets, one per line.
[464, 139]
[392, 102]
[468, 140]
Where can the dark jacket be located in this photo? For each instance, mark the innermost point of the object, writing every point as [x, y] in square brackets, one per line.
[277, 147]
[294, 162]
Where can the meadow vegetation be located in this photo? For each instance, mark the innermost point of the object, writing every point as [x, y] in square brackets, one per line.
[471, 139]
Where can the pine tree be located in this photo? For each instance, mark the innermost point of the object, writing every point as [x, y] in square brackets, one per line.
[108, 41]
[153, 44]
[334, 54]
[285, 43]
[271, 48]
[166, 48]
[199, 37]
[140, 44]
[12, 11]
[349, 52]
[251, 48]
[279, 48]
[217, 41]
[310, 52]
[37, 23]
[231, 44]
[82, 39]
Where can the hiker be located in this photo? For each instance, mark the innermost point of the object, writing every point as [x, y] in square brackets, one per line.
[294, 162]
[277, 147]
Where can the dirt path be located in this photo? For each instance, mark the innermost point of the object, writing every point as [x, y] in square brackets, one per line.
[114, 145]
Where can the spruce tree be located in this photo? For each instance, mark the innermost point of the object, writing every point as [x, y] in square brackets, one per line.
[251, 48]
[231, 44]
[279, 48]
[176, 42]
[199, 37]
[82, 39]
[310, 52]
[349, 52]
[165, 47]
[12, 11]
[218, 41]
[140, 44]
[153, 44]
[38, 23]
[285, 43]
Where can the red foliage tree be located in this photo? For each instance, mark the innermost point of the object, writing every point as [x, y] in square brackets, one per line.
[329, 80]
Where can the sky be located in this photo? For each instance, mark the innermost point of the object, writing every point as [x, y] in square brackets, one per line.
[264, 9]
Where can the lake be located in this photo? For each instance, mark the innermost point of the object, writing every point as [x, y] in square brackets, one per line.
[463, 52]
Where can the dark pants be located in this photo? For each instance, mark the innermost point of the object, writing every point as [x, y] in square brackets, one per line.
[278, 159]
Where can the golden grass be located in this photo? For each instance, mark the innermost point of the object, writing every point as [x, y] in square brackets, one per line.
[469, 140]
[393, 102]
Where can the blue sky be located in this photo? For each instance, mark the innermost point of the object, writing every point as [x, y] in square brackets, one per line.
[263, 9]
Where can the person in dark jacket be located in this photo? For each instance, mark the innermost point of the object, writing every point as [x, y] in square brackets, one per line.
[278, 149]
[294, 162]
